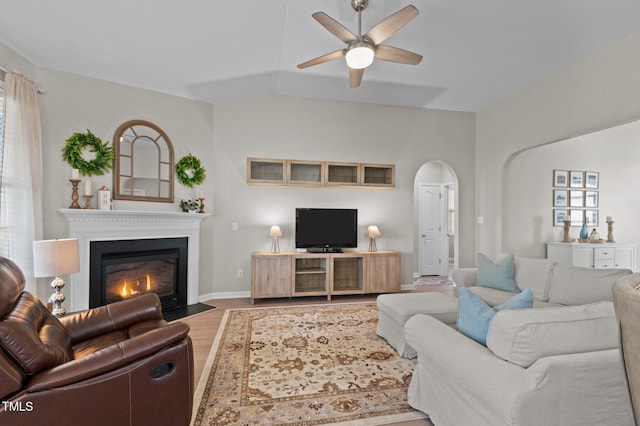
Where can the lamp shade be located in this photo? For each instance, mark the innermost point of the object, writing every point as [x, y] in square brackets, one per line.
[275, 231]
[373, 232]
[52, 258]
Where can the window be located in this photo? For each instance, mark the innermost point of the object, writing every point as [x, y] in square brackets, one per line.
[1, 120]
[451, 210]
[3, 229]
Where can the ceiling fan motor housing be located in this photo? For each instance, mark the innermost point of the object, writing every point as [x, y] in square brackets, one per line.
[359, 5]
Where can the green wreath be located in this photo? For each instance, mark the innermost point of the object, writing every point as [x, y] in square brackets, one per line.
[190, 163]
[72, 154]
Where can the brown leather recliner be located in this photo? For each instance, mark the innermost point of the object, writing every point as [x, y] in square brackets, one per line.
[119, 364]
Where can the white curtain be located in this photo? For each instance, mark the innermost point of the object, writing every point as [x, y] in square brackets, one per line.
[21, 184]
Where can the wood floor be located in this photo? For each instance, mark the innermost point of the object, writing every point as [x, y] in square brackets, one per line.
[204, 326]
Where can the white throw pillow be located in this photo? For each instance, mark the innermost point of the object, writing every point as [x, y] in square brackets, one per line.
[534, 274]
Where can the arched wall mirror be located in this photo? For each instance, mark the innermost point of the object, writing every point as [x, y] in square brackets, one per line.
[143, 169]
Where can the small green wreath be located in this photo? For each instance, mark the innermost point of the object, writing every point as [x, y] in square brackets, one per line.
[189, 171]
[104, 154]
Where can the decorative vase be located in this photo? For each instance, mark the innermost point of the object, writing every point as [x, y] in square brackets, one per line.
[584, 234]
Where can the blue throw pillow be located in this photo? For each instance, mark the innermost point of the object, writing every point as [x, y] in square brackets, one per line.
[474, 315]
[499, 276]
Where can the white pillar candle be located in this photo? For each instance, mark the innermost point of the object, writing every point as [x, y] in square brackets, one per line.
[609, 218]
[75, 174]
[87, 187]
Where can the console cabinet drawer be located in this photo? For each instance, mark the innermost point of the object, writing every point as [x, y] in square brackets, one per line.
[601, 253]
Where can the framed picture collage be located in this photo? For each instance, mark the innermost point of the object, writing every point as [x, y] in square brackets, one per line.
[575, 194]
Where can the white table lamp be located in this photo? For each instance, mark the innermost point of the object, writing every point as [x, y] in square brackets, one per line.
[373, 232]
[275, 233]
[52, 258]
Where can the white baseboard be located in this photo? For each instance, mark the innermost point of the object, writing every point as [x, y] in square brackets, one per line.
[247, 294]
[225, 295]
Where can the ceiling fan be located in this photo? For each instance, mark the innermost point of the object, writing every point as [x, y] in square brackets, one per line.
[361, 49]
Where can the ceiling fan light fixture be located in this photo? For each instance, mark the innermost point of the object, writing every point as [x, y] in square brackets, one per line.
[359, 56]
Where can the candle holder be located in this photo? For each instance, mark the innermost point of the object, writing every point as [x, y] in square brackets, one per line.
[201, 204]
[87, 201]
[610, 233]
[567, 223]
[74, 194]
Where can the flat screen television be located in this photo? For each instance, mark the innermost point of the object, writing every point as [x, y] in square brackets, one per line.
[326, 230]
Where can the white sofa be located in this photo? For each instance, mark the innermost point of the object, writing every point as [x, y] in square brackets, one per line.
[555, 364]
[551, 284]
[530, 374]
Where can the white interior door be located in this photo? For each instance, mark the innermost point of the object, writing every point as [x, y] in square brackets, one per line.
[432, 230]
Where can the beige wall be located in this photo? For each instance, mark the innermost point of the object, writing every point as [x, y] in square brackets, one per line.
[74, 104]
[224, 135]
[594, 94]
[305, 129]
[614, 153]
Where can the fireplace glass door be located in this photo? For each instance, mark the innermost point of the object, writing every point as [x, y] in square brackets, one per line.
[139, 275]
[123, 269]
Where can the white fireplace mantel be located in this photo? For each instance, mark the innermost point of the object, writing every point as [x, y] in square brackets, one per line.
[105, 225]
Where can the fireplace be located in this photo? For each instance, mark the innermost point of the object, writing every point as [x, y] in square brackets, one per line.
[122, 269]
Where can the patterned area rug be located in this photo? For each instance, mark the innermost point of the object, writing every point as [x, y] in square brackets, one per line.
[307, 365]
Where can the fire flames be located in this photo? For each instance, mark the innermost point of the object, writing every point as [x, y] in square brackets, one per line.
[128, 290]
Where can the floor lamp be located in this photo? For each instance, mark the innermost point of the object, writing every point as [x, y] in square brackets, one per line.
[52, 258]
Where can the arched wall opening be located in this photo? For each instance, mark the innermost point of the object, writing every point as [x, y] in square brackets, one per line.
[528, 189]
[437, 174]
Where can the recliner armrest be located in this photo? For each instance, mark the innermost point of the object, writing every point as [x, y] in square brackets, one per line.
[109, 358]
[111, 317]
[464, 277]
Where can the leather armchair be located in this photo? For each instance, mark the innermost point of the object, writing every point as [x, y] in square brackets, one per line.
[626, 299]
[119, 364]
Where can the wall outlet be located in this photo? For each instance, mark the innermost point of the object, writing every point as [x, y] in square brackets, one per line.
[240, 273]
[234, 226]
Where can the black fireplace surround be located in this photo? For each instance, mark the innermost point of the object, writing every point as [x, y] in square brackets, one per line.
[115, 258]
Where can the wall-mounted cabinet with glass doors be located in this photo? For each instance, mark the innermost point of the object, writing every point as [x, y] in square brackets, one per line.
[263, 171]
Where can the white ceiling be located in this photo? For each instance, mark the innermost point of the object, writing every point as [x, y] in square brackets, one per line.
[476, 52]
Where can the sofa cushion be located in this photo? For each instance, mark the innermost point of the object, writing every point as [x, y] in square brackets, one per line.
[474, 315]
[574, 285]
[522, 337]
[498, 275]
[534, 274]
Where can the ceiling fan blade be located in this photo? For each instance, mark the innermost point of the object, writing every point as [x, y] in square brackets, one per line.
[324, 58]
[355, 77]
[335, 27]
[388, 26]
[395, 54]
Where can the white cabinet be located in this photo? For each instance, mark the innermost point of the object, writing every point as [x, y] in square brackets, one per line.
[601, 256]
[625, 257]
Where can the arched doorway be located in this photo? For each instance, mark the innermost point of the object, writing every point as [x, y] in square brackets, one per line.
[435, 219]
